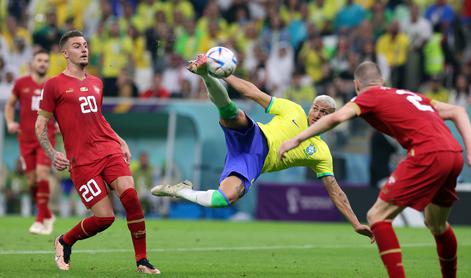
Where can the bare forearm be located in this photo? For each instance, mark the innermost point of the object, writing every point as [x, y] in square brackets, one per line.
[343, 205]
[42, 135]
[249, 90]
[9, 113]
[464, 128]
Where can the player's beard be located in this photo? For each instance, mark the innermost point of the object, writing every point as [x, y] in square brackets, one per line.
[83, 64]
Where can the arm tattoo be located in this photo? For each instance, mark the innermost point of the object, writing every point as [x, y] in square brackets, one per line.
[45, 143]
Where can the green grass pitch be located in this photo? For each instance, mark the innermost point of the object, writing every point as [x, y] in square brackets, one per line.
[223, 249]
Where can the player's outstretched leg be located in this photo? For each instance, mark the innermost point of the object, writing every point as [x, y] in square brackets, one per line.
[216, 91]
[380, 218]
[230, 190]
[86, 228]
[436, 220]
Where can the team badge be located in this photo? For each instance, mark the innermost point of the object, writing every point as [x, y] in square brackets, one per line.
[97, 90]
[310, 150]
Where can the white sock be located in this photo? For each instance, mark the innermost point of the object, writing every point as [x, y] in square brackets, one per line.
[216, 91]
[200, 197]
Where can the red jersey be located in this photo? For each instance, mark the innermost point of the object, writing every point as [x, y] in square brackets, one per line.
[28, 93]
[76, 105]
[408, 117]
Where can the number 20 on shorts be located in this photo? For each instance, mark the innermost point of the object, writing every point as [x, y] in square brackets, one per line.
[89, 190]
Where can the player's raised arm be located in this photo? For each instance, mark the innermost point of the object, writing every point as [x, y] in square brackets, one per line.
[12, 126]
[460, 118]
[58, 159]
[340, 200]
[249, 90]
[345, 113]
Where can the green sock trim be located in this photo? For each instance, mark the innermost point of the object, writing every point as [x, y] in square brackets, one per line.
[218, 200]
[229, 111]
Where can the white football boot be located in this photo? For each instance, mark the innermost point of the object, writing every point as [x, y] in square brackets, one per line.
[170, 189]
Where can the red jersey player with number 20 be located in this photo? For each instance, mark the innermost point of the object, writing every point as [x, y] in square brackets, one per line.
[426, 180]
[96, 155]
[37, 166]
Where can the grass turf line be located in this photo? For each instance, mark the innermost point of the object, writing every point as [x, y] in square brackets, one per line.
[223, 249]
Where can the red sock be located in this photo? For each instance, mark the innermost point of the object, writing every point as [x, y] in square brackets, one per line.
[42, 200]
[136, 224]
[446, 249]
[88, 227]
[389, 248]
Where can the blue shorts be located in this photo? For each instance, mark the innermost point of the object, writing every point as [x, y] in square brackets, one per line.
[246, 153]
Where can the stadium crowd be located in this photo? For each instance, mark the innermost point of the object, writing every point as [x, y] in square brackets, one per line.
[295, 49]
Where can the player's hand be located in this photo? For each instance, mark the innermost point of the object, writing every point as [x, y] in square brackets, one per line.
[57, 130]
[286, 146]
[126, 152]
[366, 231]
[13, 127]
[60, 161]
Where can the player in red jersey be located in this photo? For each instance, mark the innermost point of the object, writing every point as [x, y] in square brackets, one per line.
[27, 91]
[96, 155]
[426, 180]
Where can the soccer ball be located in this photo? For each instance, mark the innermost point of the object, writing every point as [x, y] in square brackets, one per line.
[221, 62]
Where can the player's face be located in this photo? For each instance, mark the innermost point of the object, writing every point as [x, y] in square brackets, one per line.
[318, 110]
[40, 64]
[76, 51]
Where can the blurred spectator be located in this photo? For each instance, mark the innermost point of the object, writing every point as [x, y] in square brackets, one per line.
[188, 43]
[20, 56]
[172, 75]
[116, 55]
[300, 89]
[349, 16]
[322, 13]
[339, 62]
[274, 31]
[280, 66]
[126, 86]
[380, 18]
[434, 56]
[368, 53]
[419, 31]
[17, 193]
[156, 90]
[435, 90]
[146, 176]
[461, 94]
[381, 150]
[440, 14]
[141, 57]
[313, 56]
[7, 80]
[12, 30]
[49, 34]
[394, 45]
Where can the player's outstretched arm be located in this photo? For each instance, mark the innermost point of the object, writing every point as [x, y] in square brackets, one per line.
[325, 123]
[340, 200]
[59, 160]
[249, 90]
[12, 126]
[460, 118]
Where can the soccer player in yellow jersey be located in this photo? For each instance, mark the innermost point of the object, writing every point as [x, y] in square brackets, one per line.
[252, 148]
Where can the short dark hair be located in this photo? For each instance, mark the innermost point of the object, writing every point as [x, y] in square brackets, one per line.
[67, 35]
[40, 51]
[368, 73]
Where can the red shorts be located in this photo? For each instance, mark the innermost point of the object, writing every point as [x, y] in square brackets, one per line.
[423, 179]
[89, 180]
[32, 154]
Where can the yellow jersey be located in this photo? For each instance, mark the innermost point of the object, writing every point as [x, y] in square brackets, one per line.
[288, 121]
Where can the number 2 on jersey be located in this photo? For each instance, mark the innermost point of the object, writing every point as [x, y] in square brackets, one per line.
[88, 104]
[89, 190]
[415, 100]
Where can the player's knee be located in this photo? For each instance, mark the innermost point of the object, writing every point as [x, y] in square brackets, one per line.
[434, 227]
[372, 216]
